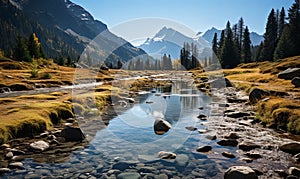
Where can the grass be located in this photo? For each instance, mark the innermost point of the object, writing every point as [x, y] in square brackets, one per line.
[27, 115]
[282, 112]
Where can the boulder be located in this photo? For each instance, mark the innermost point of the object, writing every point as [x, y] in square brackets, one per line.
[257, 94]
[201, 116]
[289, 73]
[229, 142]
[247, 146]
[296, 82]
[130, 100]
[294, 171]
[161, 126]
[291, 148]
[166, 155]
[72, 134]
[240, 172]
[39, 145]
[206, 148]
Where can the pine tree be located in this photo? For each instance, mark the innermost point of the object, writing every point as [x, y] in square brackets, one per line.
[240, 32]
[289, 41]
[69, 61]
[246, 48]
[221, 43]
[281, 22]
[258, 52]
[21, 52]
[34, 46]
[283, 48]
[294, 24]
[229, 58]
[270, 37]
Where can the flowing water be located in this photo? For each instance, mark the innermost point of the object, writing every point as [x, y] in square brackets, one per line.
[128, 143]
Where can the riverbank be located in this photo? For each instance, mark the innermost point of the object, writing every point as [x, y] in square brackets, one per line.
[277, 104]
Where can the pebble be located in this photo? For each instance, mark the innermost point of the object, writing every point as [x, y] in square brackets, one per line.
[9, 155]
[166, 155]
[14, 165]
[191, 128]
[229, 142]
[211, 137]
[228, 154]
[253, 155]
[206, 148]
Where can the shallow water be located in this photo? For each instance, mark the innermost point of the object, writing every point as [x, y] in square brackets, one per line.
[130, 138]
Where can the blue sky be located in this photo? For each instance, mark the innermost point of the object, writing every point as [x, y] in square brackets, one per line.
[198, 15]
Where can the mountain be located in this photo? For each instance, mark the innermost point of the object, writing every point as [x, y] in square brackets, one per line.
[255, 38]
[170, 41]
[209, 34]
[63, 28]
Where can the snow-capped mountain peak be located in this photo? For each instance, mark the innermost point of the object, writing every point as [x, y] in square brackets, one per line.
[170, 41]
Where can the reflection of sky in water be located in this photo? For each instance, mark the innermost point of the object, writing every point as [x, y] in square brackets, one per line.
[134, 127]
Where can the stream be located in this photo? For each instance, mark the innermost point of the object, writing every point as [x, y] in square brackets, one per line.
[128, 146]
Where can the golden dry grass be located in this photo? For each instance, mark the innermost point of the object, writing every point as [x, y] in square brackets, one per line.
[281, 112]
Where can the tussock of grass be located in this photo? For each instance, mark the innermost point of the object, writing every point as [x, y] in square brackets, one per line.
[26, 118]
[282, 113]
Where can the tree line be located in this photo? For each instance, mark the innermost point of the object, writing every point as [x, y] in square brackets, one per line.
[138, 64]
[189, 57]
[234, 46]
[281, 40]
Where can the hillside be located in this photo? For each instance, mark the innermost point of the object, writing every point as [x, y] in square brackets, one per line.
[62, 27]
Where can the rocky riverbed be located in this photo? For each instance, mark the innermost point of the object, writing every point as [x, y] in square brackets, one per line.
[216, 136]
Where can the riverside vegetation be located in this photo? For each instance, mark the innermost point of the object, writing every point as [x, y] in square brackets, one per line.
[280, 106]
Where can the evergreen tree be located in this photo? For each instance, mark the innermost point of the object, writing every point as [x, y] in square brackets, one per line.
[258, 53]
[283, 48]
[69, 61]
[215, 48]
[21, 52]
[270, 37]
[229, 58]
[294, 25]
[289, 41]
[60, 60]
[34, 46]
[246, 48]
[281, 22]
[240, 32]
[221, 43]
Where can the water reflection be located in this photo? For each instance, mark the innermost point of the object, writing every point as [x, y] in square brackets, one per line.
[133, 129]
